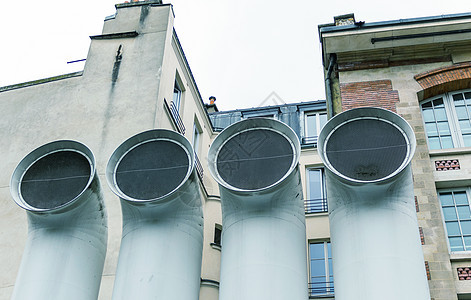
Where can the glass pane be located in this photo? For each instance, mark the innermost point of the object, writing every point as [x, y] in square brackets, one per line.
[461, 112]
[329, 250]
[453, 229]
[463, 212]
[443, 128]
[456, 244]
[427, 104]
[322, 121]
[467, 242]
[467, 95]
[466, 227]
[316, 250]
[428, 115]
[465, 125]
[449, 213]
[467, 140]
[431, 129]
[434, 143]
[447, 142]
[458, 99]
[315, 185]
[440, 114]
[460, 198]
[311, 129]
[438, 103]
[446, 199]
[318, 269]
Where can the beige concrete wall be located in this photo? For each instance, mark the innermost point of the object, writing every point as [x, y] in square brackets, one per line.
[90, 108]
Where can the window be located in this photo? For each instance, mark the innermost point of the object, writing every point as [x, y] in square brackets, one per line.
[320, 267]
[177, 95]
[196, 137]
[457, 218]
[316, 200]
[448, 120]
[264, 113]
[216, 244]
[217, 234]
[313, 123]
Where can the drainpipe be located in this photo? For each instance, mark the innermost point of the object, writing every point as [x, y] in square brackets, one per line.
[329, 100]
[153, 173]
[255, 163]
[58, 187]
[376, 248]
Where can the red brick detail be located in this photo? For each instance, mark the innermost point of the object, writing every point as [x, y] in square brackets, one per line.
[464, 273]
[369, 93]
[427, 269]
[422, 238]
[416, 204]
[445, 165]
[445, 79]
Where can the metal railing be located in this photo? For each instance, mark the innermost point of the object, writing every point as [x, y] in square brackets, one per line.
[175, 116]
[321, 289]
[315, 205]
[199, 167]
[309, 140]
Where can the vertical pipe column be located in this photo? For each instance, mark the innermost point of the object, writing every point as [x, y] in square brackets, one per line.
[162, 242]
[65, 252]
[376, 249]
[255, 162]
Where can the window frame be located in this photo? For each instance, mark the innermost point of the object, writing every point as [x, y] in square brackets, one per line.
[456, 133]
[467, 190]
[329, 280]
[265, 113]
[323, 193]
[178, 91]
[304, 125]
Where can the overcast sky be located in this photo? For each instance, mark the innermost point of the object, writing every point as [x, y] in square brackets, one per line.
[239, 51]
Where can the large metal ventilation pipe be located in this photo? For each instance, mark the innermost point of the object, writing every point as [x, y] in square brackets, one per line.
[153, 174]
[58, 187]
[255, 162]
[376, 249]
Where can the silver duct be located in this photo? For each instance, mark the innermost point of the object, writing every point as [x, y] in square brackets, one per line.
[376, 249]
[58, 187]
[255, 162]
[153, 174]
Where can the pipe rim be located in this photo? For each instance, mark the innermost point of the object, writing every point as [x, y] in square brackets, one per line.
[34, 156]
[365, 113]
[138, 140]
[248, 125]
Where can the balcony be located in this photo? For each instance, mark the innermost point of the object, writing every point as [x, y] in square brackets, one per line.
[199, 168]
[321, 290]
[312, 206]
[177, 120]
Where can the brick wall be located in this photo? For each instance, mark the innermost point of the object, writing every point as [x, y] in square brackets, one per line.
[369, 93]
[442, 80]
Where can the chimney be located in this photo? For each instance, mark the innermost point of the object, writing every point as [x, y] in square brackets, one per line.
[211, 107]
[343, 20]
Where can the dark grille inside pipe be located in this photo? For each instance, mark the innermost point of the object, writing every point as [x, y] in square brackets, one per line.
[254, 159]
[366, 149]
[55, 179]
[152, 169]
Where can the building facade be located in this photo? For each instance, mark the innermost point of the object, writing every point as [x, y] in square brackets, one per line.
[420, 69]
[137, 78]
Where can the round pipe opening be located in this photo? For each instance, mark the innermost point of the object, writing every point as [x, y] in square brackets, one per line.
[366, 144]
[53, 176]
[150, 165]
[254, 159]
[253, 154]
